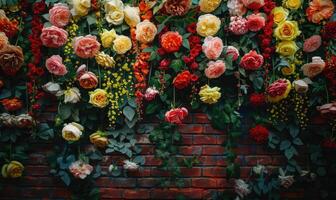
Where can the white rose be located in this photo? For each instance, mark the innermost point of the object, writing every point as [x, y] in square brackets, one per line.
[115, 17]
[113, 5]
[71, 95]
[72, 131]
[300, 86]
[132, 16]
[51, 87]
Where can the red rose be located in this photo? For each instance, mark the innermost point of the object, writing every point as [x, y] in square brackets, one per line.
[195, 51]
[194, 39]
[182, 80]
[161, 51]
[251, 61]
[12, 104]
[176, 115]
[171, 41]
[259, 134]
[257, 99]
[187, 59]
[164, 64]
[191, 28]
[194, 78]
[194, 66]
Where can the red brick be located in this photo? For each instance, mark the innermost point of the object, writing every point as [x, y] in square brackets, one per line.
[213, 172]
[151, 160]
[221, 139]
[148, 182]
[254, 160]
[187, 139]
[204, 182]
[189, 193]
[142, 172]
[191, 172]
[191, 150]
[213, 150]
[212, 160]
[205, 139]
[136, 194]
[37, 170]
[158, 172]
[190, 128]
[147, 149]
[116, 182]
[111, 193]
[201, 118]
[208, 129]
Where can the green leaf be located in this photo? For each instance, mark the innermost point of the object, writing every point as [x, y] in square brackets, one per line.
[91, 19]
[186, 43]
[285, 145]
[176, 65]
[152, 108]
[65, 177]
[5, 93]
[297, 141]
[258, 83]
[129, 112]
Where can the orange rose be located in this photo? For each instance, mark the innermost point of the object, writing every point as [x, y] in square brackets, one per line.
[12, 104]
[319, 10]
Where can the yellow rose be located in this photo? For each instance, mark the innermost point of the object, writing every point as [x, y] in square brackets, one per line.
[14, 169]
[72, 132]
[80, 7]
[208, 6]
[115, 17]
[286, 48]
[132, 15]
[287, 30]
[145, 32]
[105, 60]
[99, 98]
[122, 44]
[288, 70]
[98, 138]
[280, 14]
[209, 95]
[292, 4]
[208, 25]
[107, 38]
[113, 5]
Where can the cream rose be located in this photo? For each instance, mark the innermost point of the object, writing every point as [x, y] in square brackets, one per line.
[208, 6]
[80, 7]
[115, 17]
[132, 15]
[72, 131]
[113, 5]
[145, 32]
[208, 25]
[122, 44]
[107, 38]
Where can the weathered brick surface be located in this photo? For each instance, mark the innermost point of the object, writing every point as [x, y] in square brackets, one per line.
[198, 139]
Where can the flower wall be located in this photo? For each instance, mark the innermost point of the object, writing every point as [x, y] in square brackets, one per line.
[258, 69]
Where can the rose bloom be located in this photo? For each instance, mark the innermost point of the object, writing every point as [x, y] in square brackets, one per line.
[292, 4]
[3, 40]
[115, 17]
[176, 115]
[207, 6]
[151, 93]
[86, 79]
[86, 47]
[288, 70]
[257, 99]
[255, 22]
[319, 10]
[314, 68]
[13, 169]
[51, 87]
[278, 90]
[99, 139]
[128, 165]
[259, 134]
[251, 61]
[212, 47]
[287, 30]
[209, 95]
[238, 25]
[215, 69]
[253, 4]
[55, 66]
[71, 95]
[182, 80]
[79, 169]
[286, 48]
[24, 121]
[122, 44]
[177, 7]
[145, 32]
[132, 15]
[53, 37]
[11, 105]
[59, 15]
[312, 43]
[232, 51]
[300, 86]
[171, 41]
[80, 7]
[208, 25]
[107, 38]
[99, 98]
[236, 7]
[280, 14]
[113, 5]
[72, 131]
[11, 59]
[105, 60]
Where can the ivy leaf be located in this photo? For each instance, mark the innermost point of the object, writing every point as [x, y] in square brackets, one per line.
[65, 177]
[91, 19]
[129, 113]
[152, 108]
[258, 83]
[285, 145]
[176, 64]
[294, 131]
[297, 141]
[65, 111]
[186, 44]
[289, 153]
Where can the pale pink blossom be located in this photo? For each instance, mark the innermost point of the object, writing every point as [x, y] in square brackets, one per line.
[232, 51]
[151, 93]
[59, 15]
[313, 68]
[53, 37]
[312, 44]
[215, 69]
[212, 47]
[55, 65]
[238, 25]
[79, 169]
[236, 7]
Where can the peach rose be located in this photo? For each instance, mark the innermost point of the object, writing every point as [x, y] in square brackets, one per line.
[314, 68]
[11, 59]
[212, 47]
[177, 7]
[53, 37]
[251, 61]
[255, 22]
[55, 66]
[215, 69]
[59, 15]
[319, 10]
[145, 32]
[3, 40]
[86, 47]
[232, 51]
[312, 44]
[253, 4]
[86, 79]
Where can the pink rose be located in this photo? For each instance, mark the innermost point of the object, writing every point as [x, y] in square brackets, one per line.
[53, 37]
[255, 22]
[151, 93]
[251, 61]
[314, 68]
[59, 15]
[232, 51]
[212, 47]
[238, 25]
[215, 69]
[253, 4]
[312, 44]
[86, 47]
[236, 7]
[176, 115]
[79, 169]
[55, 66]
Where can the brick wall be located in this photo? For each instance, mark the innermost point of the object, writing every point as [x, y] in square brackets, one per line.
[199, 139]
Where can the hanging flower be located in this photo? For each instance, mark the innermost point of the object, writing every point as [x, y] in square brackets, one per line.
[59, 15]
[151, 93]
[107, 38]
[280, 14]
[129, 165]
[11, 59]
[182, 80]
[99, 98]
[55, 65]
[105, 60]
[251, 61]
[232, 51]
[113, 5]
[80, 169]
[278, 90]
[312, 43]
[13, 169]
[238, 25]
[287, 30]
[209, 95]
[255, 22]
[114, 12]
[71, 95]
[208, 25]
[11, 105]
[53, 37]
[176, 115]
[300, 86]
[212, 47]
[259, 134]
[132, 15]
[241, 188]
[72, 131]
[145, 32]
[208, 6]
[215, 69]
[122, 44]
[86, 79]
[257, 99]
[236, 7]
[329, 30]
[171, 41]
[86, 46]
[319, 10]
[177, 7]
[99, 139]
[314, 68]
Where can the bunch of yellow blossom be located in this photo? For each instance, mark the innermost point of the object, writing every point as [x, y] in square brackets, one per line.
[209, 94]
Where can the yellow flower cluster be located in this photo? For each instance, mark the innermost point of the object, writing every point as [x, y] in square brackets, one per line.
[209, 95]
[72, 30]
